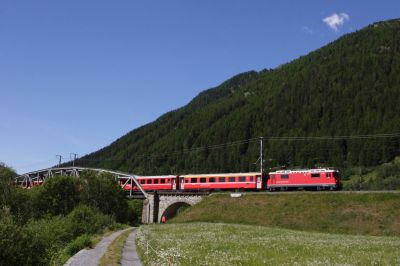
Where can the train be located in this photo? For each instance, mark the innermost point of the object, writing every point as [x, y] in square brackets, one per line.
[282, 180]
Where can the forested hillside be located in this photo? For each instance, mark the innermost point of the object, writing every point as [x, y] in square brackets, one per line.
[348, 87]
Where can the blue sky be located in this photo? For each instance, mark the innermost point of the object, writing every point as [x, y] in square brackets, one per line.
[76, 75]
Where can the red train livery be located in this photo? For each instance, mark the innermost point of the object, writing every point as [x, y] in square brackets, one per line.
[314, 178]
[319, 179]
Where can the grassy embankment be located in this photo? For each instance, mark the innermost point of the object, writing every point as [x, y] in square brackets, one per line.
[345, 213]
[230, 244]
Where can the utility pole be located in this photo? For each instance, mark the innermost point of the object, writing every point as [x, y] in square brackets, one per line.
[261, 155]
[59, 160]
[73, 158]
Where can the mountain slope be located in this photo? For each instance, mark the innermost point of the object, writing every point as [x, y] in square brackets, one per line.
[349, 87]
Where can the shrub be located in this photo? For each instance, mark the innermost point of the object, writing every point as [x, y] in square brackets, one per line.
[86, 220]
[50, 234]
[134, 211]
[78, 243]
[104, 194]
[12, 240]
[6, 184]
[58, 195]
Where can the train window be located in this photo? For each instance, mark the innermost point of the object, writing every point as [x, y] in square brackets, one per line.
[221, 179]
[242, 178]
[202, 180]
[142, 181]
[193, 180]
[148, 181]
[285, 176]
[162, 181]
[232, 179]
[155, 181]
[211, 180]
[328, 174]
[186, 180]
[315, 175]
[251, 178]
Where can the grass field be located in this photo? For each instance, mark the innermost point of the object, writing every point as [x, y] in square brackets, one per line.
[229, 244]
[345, 213]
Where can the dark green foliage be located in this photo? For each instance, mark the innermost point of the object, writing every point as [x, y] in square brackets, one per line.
[58, 195]
[11, 241]
[382, 177]
[36, 225]
[102, 193]
[86, 220]
[349, 87]
[39, 241]
[79, 243]
[6, 180]
[135, 211]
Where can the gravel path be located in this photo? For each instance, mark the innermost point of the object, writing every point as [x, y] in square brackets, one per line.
[129, 255]
[90, 257]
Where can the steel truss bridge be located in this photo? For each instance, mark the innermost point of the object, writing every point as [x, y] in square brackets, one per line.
[34, 178]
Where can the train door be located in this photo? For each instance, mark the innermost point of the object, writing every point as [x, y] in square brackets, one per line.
[173, 183]
[258, 182]
[182, 180]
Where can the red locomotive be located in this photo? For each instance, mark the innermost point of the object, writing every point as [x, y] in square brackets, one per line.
[311, 178]
[319, 179]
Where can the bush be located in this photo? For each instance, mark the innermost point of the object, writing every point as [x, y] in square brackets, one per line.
[6, 184]
[86, 220]
[79, 243]
[12, 240]
[104, 194]
[58, 195]
[134, 211]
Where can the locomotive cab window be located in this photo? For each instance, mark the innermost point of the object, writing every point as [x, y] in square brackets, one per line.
[221, 179]
[193, 180]
[242, 178]
[286, 176]
[315, 175]
[232, 179]
[203, 180]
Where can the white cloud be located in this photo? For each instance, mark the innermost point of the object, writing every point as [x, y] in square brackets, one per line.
[307, 30]
[336, 20]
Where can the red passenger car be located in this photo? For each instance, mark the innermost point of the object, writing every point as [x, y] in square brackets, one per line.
[247, 181]
[152, 183]
[313, 178]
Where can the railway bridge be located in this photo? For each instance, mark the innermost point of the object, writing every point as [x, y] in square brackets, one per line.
[167, 204]
[155, 204]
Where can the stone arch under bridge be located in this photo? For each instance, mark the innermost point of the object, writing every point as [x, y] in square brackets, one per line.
[158, 204]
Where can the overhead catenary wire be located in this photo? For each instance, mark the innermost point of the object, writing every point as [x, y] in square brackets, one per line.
[251, 140]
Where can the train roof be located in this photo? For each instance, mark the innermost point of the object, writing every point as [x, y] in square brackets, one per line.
[156, 176]
[319, 170]
[222, 175]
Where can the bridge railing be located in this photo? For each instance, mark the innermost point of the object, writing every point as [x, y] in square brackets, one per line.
[31, 179]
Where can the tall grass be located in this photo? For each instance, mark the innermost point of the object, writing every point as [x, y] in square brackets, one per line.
[229, 244]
